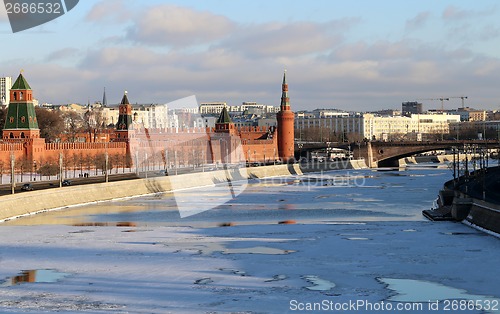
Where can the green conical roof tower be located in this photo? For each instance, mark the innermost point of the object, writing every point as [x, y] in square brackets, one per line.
[21, 83]
[224, 117]
[21, 119]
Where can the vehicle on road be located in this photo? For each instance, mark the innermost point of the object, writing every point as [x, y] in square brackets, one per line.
[66, 183]
[27, 187]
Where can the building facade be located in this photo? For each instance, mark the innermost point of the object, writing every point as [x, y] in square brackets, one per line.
[374, 127]
[5, 85]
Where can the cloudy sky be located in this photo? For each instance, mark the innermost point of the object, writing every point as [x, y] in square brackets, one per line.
[351, 55]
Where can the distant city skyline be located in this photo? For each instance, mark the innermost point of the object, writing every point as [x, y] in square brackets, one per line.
[360, 55]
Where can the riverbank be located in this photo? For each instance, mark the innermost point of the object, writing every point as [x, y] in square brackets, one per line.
[473, 199]
[29, 203]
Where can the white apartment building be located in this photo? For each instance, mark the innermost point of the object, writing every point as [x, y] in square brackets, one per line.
[255, 106]
[212, 108]
[335, 124]
[215, 108]
[370, 126]
[152, 116]
[5, 86]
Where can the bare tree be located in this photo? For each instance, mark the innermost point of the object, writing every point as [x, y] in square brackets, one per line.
[50, 122]
[94, 122]
[73, 124]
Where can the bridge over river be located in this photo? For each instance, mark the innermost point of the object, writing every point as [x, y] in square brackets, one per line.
[387, 154]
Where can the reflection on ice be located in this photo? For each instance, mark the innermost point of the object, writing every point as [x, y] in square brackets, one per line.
[34, 275]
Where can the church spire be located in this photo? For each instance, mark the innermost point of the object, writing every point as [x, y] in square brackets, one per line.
[104, 100]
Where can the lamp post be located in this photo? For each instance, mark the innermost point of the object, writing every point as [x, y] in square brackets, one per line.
[194, 162]
[166, 161]
[106, 159]
[202, 161]
[34, 167]
[175, 161]
[12, 179]
[60, 169]
[137, 162]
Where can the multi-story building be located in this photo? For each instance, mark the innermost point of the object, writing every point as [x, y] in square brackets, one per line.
[328, 113]
[256, 108]
[411, 107]
[329, 129]
[5, 85]
[373, 127]
[215, 108]
[152, 116]
[212, 108]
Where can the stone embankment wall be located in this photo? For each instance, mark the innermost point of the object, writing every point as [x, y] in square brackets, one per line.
[32, 202]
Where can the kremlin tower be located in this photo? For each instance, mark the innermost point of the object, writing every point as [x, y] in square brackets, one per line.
[124, 124]
[285, 119]
[21, 122]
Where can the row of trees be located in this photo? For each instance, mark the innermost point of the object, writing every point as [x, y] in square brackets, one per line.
[72, 165]
[54, 123]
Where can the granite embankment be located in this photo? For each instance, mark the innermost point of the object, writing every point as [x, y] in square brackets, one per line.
[473, 199]
[32, 202]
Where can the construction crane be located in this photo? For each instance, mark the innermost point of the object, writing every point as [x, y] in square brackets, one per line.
[440, 99]
[461, 97]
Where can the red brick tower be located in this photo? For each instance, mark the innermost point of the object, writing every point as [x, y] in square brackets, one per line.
[285, 119]
[124, 124]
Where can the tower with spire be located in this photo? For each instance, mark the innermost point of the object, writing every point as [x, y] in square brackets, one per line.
[224, 123]
[285, 119]
[124, 124]
[21, 122]
[104, 100]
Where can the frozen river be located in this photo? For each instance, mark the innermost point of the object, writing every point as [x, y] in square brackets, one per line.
[359, 245]
[349, 195]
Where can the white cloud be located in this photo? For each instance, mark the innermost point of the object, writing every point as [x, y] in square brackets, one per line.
[280, 39]
[418, 21]
[109, 11]
[170, 25]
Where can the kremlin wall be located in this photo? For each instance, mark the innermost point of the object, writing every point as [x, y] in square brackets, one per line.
[134, 146]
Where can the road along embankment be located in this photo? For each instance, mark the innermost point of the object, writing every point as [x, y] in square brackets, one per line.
[32, 202]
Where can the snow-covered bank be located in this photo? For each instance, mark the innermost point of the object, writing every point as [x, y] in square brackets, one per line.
[251, 269]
